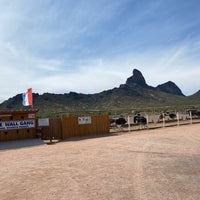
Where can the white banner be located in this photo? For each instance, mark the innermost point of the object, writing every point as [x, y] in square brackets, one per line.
[17, 124]
[43, 122]
[84, 120]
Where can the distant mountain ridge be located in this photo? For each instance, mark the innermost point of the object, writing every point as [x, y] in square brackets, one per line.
[134, 93]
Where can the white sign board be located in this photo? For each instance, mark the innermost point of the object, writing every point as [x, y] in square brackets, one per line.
[84, 120]
[43, 122]
[8, 125]
[31, 115]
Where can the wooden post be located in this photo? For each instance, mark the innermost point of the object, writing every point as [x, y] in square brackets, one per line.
[163, 120]
[190, 117]
[147, 117]
[129, 127]
[177, 115]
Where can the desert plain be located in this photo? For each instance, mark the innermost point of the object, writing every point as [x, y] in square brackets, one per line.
[154, 164]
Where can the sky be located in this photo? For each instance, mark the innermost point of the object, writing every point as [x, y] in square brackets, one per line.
[88, 46]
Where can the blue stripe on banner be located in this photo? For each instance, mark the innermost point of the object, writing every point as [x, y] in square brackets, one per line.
[25, 99]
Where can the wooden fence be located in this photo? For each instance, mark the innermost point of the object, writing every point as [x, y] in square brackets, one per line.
[53, 131]
[71, 127]
[65, 127]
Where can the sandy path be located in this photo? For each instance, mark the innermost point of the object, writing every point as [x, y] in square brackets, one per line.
[154, 164]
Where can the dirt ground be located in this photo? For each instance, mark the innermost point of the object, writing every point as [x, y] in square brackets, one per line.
[149, 164]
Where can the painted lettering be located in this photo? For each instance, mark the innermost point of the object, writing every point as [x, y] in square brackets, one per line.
[10, 124]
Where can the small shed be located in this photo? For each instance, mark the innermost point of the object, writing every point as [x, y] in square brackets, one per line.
[16, 125]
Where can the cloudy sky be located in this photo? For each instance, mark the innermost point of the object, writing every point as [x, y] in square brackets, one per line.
[88, 46]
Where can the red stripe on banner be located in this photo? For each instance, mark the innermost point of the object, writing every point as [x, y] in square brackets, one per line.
[30, 100]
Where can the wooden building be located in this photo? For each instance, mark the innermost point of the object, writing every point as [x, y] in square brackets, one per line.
[16, 125]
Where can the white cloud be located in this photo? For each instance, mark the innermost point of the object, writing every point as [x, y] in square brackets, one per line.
[56, 48]
[95, 75]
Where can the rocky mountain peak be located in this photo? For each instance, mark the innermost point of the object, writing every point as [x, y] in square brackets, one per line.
[170, 87]
[137, 78]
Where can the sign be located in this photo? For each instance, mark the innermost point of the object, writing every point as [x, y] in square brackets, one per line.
[84, 120]
[43, 122]
[31, 115]
[8, 125]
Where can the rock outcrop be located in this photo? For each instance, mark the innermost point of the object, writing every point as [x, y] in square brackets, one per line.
[170, 87]
[136, 78]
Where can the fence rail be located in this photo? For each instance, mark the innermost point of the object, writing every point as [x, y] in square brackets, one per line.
[67, 126]
[153, 121]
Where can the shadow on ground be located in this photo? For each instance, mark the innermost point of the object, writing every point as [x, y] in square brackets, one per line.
[17, 144]
[78, 138]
